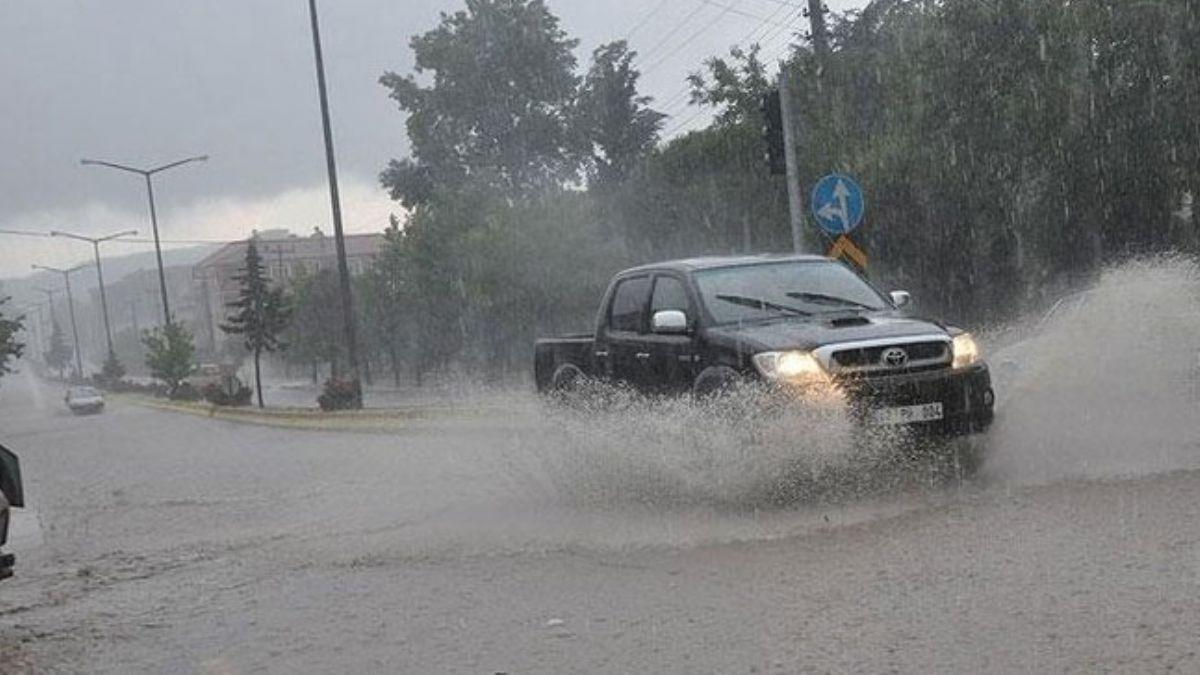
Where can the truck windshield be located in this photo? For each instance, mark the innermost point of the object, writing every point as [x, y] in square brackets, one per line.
[802, 287]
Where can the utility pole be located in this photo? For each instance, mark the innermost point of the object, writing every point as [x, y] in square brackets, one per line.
[336, 208]
[795, 199]
[95, 242]
[820, 34]
[71, 307]
[148, 174]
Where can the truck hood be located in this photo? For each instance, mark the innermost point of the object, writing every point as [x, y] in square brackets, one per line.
[812, 332]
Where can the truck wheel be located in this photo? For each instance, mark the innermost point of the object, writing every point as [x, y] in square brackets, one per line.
[566, 380]
[716, 381]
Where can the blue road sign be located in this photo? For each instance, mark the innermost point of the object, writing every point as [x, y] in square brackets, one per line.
[838, 204]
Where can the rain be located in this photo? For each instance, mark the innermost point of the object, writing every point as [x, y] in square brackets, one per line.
[512, 336]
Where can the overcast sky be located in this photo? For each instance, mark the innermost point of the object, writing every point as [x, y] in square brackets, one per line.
[145, 82]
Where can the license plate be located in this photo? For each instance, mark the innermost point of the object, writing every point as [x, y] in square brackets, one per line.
[908, 414]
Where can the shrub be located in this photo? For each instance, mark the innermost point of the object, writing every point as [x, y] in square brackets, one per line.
[216, 395]
[184, 392]
[340, 395]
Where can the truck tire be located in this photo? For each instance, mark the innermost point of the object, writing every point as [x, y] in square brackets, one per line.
[566, 379]
[716, 381]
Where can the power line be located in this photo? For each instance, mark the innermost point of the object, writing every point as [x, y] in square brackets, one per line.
[671, 33]
[645, 18]
[788, 21]
[734, 10]
[687, 42]
[125, 240]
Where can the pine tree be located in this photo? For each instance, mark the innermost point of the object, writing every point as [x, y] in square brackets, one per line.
[261, 313]
[59, 354]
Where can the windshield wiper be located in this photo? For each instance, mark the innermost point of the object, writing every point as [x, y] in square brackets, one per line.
[759, 303]
[827, 299]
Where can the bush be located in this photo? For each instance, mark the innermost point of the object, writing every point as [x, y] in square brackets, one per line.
[216, 395]
[184, 392]
[340, 395]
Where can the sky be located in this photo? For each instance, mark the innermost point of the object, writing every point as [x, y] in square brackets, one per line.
[145, 82]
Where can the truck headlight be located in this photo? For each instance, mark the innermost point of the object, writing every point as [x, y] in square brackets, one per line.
[789, 366]
[966, 352]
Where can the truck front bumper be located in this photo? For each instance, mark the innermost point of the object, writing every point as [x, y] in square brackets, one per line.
[966, 397]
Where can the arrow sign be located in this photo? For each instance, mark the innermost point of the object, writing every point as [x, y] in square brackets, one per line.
[838, 204]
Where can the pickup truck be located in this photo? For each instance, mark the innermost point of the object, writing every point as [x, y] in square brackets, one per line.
[794, 322]
[10, 496]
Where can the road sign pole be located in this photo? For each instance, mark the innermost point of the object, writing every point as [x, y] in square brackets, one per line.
[795, 200]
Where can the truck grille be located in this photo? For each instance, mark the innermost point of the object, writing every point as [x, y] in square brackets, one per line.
[869, 360]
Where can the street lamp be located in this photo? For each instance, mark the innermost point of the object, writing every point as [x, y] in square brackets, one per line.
[147, 173]
[71, 307]
[95, 242]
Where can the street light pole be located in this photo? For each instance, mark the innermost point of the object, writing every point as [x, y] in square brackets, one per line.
[147, 173]
[336, 208]
[95, 242]
[71, 308]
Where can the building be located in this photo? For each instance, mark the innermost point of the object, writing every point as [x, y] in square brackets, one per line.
[286, 256]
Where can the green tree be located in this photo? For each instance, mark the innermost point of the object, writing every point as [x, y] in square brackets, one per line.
[58, 357]
[314, 334]
[387, 290]
[734, 86]
[113, 370]
[170, 354]
[260, 313]
[10, 348]
[616, 123]
[496, 111]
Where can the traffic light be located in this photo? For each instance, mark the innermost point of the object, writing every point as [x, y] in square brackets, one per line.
[772, 131]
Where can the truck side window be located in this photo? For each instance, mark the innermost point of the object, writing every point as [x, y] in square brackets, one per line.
[669, 293]
[629, 305]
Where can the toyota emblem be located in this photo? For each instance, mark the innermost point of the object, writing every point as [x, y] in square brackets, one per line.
[894, 357]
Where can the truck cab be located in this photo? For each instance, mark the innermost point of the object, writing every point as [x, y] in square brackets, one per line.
[702, 325]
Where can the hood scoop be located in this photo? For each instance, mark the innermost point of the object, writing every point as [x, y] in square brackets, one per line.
[848, 321]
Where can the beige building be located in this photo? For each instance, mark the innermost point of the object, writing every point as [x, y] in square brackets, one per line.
[285, 257]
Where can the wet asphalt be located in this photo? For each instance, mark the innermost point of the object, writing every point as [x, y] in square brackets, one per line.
[160, 542]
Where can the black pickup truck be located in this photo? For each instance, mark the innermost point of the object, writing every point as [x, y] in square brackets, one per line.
[705, 324]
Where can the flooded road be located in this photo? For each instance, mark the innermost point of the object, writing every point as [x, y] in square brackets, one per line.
[171, 543]
[631, 536]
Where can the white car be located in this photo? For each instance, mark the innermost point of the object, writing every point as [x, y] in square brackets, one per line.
[84, 400]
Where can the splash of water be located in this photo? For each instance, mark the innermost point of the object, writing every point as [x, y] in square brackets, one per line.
[1109, 385]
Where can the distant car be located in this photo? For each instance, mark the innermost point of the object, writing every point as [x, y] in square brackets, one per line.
[11, 495]
[84, 400]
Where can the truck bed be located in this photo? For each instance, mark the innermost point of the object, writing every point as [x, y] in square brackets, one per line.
[551, 353]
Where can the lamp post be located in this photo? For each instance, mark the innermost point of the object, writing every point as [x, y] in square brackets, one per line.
[147, 174]
[71, 307]
[336, 208]
[95, 242]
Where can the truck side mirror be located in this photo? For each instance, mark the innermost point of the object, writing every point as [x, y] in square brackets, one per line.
[901, 298]
[669, 322]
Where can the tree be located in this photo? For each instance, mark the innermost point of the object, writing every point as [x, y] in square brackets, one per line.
[10, 349]
[616, 124]
[112, 371]
[734, 86]
[261, 313]
[387, 291]
[58, 357]
[170, 354]
[314, 334]
[496, 113]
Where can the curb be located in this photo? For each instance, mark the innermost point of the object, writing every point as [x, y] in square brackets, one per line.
[369, 420]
